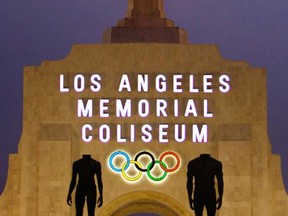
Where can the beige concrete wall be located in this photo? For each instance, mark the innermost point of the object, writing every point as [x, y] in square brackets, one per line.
[39, 174]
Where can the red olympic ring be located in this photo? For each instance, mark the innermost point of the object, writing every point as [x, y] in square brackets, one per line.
[177, 158]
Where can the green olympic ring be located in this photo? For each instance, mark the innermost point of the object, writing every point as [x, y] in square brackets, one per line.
[155, 178]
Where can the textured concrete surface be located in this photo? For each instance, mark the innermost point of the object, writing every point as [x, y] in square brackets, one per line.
[39, 174]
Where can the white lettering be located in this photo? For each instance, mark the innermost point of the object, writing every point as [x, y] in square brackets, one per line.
[62, 87]
[104, 133]
[224, 81]
[205, 110]
[142, 83]
[103, 107]
[85, 111]
[95, 80]
[200, 136]
[160, 83]
[190, 108]
[86, 138]
[124, 83]
[79, 83]
[161, 106]
[191, 85]
[123, 111]
[207, 84]
[176, 107]
[146, 131]
[180, 137]
[143, 108]
[120, 139]
[163, 133]
[177, 83]
[132, 133]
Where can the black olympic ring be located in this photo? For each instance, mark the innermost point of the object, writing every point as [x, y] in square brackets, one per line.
[144, 153]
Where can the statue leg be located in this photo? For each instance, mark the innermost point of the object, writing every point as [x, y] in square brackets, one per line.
[211, 204]
[198, 204]
[91, 200]
[79, 202]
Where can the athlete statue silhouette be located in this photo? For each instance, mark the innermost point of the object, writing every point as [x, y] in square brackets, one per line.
[86, 168]
[204, 169]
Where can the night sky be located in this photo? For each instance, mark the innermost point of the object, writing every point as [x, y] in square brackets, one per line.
[32, 31]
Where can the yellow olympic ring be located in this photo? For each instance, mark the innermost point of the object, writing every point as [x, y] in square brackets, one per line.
[131, 178]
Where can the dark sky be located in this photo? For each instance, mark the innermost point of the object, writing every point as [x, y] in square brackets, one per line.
[35, 30]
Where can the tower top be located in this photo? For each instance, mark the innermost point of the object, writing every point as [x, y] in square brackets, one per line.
[145, 8]
[145, 22]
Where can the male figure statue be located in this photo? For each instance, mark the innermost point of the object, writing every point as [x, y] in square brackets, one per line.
[86, 168]
[203, 170]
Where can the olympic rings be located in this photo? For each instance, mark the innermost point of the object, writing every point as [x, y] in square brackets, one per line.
[177, 158]
[150, 155]
[119, 153]
[139, 167]
[154, 178]
[130, 178]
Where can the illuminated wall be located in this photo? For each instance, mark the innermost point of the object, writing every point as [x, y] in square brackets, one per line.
[189, 99]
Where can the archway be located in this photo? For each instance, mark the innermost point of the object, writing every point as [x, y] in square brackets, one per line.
[144, 202]
[144, 214]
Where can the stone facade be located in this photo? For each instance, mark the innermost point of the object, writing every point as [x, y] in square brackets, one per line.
[233, 110]
[40, 172]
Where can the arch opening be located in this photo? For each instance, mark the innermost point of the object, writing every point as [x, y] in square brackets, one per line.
[144, 203]
[144, 214]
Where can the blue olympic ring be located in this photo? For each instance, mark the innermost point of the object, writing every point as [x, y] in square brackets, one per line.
[119, 153]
